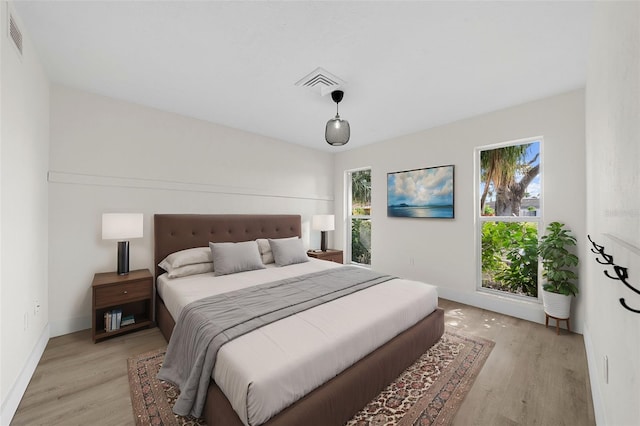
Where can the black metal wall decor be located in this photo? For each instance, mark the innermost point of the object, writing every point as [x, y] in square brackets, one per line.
[621, 273]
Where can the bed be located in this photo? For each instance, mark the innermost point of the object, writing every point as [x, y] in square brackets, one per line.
[333, 402]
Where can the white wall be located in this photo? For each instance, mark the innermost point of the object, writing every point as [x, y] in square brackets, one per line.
[613, 210]
[113, 156]
[444, 251]
[24, 123]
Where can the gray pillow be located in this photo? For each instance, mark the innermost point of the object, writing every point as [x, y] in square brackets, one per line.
[229, 258]
[265, 249]
[288, 251]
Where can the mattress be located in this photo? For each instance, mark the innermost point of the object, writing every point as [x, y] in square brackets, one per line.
[265, 371]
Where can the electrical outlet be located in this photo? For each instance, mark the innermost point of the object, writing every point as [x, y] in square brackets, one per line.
[26, 321]
[605, 370]
[36, 308]
[411, 261]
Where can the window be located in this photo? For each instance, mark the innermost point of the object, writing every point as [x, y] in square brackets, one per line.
[509, 215]
[359, 216]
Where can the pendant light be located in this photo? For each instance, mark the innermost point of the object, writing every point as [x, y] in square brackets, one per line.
[337, 131]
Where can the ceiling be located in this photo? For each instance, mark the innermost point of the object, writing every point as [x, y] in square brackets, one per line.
[408, 66]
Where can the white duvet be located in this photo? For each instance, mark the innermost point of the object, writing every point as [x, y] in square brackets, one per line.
[263, 372]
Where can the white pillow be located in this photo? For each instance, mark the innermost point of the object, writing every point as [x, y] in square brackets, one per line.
[196, 268]
[229, 258]
[265, 248]
[288, 251]
[186, 257]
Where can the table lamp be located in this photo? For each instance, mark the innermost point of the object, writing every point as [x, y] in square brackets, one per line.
[122, 227]
[323, 223]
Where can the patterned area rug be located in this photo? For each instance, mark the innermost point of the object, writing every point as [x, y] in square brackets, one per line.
[428, 392]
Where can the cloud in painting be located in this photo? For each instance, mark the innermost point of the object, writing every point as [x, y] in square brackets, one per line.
[424, 187]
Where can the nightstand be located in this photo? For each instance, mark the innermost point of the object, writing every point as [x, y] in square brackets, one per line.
[132, 293]
[330, 255]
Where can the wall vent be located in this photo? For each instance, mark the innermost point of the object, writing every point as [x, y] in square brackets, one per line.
[321, 81]
[15, 34]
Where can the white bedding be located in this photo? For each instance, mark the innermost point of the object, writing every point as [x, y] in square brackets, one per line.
[265, 371]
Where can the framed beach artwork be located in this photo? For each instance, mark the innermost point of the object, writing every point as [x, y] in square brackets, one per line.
[425, 193]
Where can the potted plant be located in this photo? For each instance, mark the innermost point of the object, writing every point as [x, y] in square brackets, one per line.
[558, 275]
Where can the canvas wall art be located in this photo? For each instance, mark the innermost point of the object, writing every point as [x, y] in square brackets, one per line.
[422, 193]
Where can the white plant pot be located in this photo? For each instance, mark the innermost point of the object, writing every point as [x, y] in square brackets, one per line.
[556, 305]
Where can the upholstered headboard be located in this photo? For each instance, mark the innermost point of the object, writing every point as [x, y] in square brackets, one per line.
[174, 232]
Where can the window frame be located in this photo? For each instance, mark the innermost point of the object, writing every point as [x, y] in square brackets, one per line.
[479, 219]
[349, 216]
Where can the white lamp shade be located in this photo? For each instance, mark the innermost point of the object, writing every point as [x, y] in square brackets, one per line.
[121, 226]
[323, 222]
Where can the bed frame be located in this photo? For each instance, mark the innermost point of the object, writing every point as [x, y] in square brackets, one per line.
[339, 399]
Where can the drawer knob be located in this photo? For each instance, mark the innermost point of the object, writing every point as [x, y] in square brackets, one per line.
[125, 292]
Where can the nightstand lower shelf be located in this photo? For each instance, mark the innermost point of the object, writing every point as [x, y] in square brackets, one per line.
[124, 329]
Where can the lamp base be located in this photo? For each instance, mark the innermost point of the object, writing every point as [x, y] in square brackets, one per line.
[123, 257]
[323, 240]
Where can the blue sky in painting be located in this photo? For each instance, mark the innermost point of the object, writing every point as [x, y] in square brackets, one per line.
[424, 187]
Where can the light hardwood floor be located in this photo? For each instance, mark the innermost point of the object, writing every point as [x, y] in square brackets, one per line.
[532, 376]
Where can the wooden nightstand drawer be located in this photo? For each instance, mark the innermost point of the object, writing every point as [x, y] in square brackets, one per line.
[123, 293]
[333, 257]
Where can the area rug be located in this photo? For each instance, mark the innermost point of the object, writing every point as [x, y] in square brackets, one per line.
[429, 392]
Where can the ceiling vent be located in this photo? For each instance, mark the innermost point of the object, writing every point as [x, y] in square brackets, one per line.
[15, 34]
[321, 81]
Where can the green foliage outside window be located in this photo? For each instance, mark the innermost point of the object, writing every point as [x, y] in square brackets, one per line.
[361, 241]
[361, 226]
[510, 257]
[361, 192]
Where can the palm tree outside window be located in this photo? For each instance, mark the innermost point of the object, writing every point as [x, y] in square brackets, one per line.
[509, 217]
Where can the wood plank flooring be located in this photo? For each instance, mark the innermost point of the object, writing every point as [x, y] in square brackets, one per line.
[532, 376]
[78, 382]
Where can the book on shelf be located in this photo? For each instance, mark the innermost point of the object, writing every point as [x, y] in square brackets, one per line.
[112, 320]
[127, 320]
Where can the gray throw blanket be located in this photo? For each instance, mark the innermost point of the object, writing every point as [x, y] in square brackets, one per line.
[206, 324]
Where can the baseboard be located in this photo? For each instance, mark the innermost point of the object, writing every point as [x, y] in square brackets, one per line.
[594, 378]
[10, 404]
[523, 309]
[69, 325]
